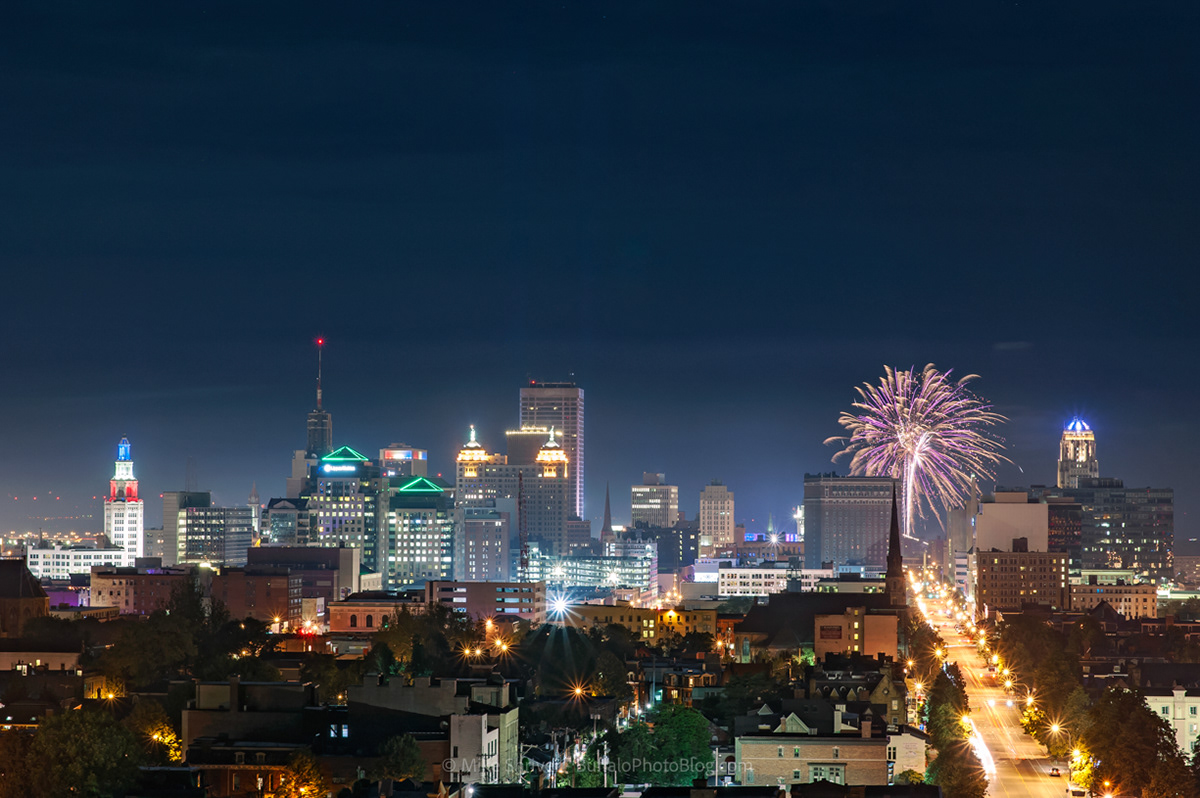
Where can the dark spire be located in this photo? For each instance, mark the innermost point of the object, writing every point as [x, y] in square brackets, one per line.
[606, 530]
[895, 560]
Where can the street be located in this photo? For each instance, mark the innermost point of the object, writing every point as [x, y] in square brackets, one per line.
[1016, 765]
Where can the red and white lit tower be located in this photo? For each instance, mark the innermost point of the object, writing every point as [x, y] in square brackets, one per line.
[123, 511]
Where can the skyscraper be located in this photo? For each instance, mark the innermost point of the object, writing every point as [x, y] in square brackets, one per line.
[124, 514]
[173, 502]
[320, 422]
[542, 489]
[716, 519]
[846, 519]
[654, 502]
[1077, 454]
[559, 405]
[218, 535]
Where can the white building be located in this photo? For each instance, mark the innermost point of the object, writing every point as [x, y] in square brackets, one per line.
[59, 562]
[716, 519]
[124, 514]
[1179, 707]
[758, 580]
[474, 749]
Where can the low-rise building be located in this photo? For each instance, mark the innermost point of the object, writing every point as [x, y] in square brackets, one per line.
[136, 591]
[483, 600]
[60, 562]
[365, 613]
[1180, 707]
[271, 595]
[790, 757]
[1131, 600]
[856, 631]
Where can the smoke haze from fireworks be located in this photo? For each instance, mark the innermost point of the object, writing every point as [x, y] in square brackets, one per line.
[926, 430]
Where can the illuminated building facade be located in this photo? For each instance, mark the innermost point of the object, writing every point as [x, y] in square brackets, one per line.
[124, 514]
[654, 503]
[564, 573]
[846, 519]
[483, 548]
[402, 460]
[173, 502]
[559, 405]
[217, 535]
[1077, 454]
[1125, 527]
[542, 489]
[60, 562]
[421, 523]
[716, 519]
[346, 504]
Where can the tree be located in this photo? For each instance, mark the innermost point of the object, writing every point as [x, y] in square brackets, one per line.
[15, 776]
[909, 777]
[681, 737]
[958, 772]
[303, 778]
[150, 725]
[1170, 778]
[611, 678]
[83, 753]
[400, 757]
[1125, 738]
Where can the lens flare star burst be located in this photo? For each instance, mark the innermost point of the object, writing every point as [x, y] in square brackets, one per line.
[925, 429]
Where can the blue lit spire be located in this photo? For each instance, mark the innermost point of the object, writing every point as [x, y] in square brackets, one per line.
[1077, 424]
[123, 454]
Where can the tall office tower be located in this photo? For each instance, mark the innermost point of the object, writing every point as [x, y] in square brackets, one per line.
[217, 535]
[1077, 454]
[483, 545]
[654, 502]
[1125, 527]
[320, 422]
[559, 405]
[347, 505]
[402, 460]
[846, 519]
[123, 510]
[542, 489]
[1065, 532]
[421, 522]
[173, 502]
[716, 519]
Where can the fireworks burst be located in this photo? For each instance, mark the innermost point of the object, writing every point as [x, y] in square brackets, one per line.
[926, 430]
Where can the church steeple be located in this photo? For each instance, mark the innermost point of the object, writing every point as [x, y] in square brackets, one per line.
[606, 530]
[895, 560]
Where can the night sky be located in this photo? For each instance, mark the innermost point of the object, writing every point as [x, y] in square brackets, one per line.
[718, 217]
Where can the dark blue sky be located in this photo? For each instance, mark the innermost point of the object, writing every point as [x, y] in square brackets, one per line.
[718, 217]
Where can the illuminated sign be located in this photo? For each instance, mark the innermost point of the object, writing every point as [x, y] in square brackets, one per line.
[330, 468]
[398, 454]
[831, 633]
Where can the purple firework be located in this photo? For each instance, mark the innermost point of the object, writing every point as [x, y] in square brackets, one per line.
[925, 429]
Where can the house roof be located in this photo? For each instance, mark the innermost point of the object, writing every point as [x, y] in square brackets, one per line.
[16, 582]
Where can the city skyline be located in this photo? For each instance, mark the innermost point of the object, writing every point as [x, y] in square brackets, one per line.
[755, 520]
